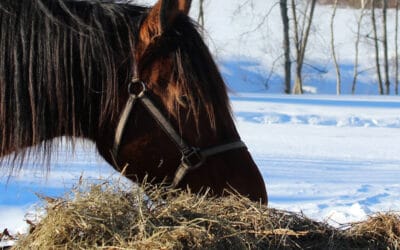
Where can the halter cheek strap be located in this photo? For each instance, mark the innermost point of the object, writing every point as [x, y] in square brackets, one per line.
[192, 157]
[133, 98]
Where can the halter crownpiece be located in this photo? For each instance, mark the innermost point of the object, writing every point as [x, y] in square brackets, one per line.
[192, 157]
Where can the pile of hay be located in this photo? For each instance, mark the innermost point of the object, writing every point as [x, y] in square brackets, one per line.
[107, 217]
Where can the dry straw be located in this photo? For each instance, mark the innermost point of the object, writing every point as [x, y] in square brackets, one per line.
[105, 216]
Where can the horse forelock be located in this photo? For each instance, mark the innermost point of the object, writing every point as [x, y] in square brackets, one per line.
[195, 72]
[62, 64]
[201, 79]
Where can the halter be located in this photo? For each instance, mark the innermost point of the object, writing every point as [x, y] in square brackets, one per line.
[192, 157]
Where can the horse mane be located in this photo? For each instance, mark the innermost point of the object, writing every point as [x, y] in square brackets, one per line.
[56, 57]
[63, 63]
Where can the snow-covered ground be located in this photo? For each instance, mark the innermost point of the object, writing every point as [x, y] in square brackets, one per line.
[334, 158]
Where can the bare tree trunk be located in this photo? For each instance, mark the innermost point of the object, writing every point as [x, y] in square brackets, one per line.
[338, 76]
[298, 88]
[376, 42]
[200, 18]
[396, 42]
[286, 45]
[301, 43]
[357, 45]
[385, 46]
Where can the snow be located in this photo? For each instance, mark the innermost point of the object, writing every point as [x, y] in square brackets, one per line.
[7, 243]
[333, 158]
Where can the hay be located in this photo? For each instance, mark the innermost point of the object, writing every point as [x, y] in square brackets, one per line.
[109, 217]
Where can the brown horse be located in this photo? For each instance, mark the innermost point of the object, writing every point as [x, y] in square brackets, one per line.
[139, 82]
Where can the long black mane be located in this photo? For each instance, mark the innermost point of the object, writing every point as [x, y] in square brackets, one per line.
[57, 59]
[63, 64]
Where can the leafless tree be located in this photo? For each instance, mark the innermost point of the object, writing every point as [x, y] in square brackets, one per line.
[334, 56]
[301, 39]
[385, 46]
[359, 4]
[396, 44]
[356, 72]
[200, 18]
[286, 45]
[376, 43]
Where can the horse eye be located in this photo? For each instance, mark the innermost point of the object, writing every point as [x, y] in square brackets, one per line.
[183, 100]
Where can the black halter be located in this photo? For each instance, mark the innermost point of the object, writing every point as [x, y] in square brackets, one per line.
[192, 157]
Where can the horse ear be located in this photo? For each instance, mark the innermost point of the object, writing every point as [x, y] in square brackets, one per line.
[162, 17]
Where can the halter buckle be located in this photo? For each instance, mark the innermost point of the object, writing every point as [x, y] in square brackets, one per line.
[192, 158]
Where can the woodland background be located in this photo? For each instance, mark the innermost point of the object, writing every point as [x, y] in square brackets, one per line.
[374, 31]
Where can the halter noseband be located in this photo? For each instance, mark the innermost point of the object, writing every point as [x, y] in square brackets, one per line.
[192, 157]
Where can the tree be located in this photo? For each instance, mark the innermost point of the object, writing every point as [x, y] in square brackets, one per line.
[376, 43]
[396, 44]
[357, 45]
[385, 46]
[301, 39]
[363, 4]
[338, 77]
[286, 45]
[200, 18]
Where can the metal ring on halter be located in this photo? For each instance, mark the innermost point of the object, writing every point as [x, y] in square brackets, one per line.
[131, 87]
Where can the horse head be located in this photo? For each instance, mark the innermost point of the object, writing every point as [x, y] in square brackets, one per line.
[178, 127]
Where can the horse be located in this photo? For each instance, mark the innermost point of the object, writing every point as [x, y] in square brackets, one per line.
[139, 82]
